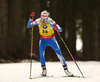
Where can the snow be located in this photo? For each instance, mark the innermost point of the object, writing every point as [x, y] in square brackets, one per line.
[20, 72]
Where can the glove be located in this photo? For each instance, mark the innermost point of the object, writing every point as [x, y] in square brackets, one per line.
[32, 14]
[56, 27]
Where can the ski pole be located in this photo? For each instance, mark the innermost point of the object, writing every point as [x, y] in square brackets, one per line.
[31, 48]
[70, 53]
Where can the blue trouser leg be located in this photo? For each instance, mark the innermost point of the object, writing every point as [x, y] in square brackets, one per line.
[53, 43]
[42, 47]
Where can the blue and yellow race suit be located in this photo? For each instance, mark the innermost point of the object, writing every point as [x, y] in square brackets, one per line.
[47, 38]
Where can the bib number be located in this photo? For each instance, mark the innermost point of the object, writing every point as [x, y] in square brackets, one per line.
[44, 31]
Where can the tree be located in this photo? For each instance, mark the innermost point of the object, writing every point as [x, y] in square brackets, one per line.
[70, 20]
[15, 24]
[3, 27]
[90, 30]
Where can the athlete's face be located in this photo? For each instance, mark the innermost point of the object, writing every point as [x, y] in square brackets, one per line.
[44, 17]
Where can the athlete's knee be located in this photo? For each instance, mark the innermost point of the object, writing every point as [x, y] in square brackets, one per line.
[58, 52]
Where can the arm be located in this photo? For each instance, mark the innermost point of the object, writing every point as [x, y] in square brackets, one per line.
[32, 14]
[30, 23]
[55, 25]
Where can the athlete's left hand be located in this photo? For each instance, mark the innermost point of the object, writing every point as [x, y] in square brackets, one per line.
[56, 28]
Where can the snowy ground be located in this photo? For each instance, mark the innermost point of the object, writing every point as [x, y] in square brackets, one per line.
[20, 72]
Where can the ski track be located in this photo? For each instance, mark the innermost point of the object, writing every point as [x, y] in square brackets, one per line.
[20, 72]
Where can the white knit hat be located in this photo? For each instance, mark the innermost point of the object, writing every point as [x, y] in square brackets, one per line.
[44, 15]
[44, 12]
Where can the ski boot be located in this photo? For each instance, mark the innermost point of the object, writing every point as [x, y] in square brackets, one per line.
[67, 71]
[44, 71]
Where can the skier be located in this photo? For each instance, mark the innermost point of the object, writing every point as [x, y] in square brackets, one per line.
[47, 38]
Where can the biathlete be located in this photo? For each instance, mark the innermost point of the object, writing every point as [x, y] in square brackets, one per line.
[47, 38]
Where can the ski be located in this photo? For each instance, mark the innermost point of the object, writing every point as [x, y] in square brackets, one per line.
[77, 76]
[74, 76]
[42, 76]
[80, 76]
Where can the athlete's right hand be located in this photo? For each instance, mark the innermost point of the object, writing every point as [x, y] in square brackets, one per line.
[32, 14]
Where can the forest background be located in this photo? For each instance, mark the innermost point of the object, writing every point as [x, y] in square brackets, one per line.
[79, 19]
